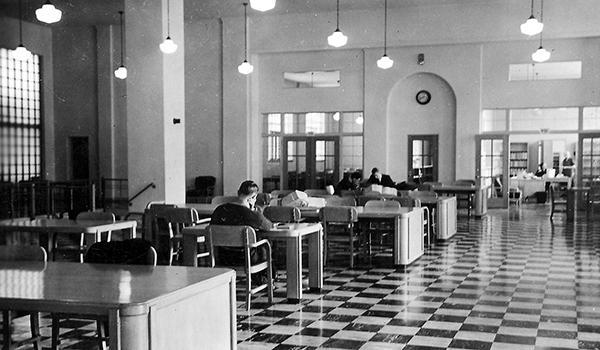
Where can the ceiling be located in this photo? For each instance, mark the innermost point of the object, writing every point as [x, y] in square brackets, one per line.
[90, 12]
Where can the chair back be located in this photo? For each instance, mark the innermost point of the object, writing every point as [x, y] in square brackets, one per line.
[464, 182]
[313, 192]
[135, 251]
[96, 215]
[382, 204]
[282, 214]
[263, 199]
[153, 210]
[408, 202]
[218, 200]
[335, 201]
[175, 219]
[338, 214]
[23, 253]
[424, 187]
[362, 200]
[231, 236]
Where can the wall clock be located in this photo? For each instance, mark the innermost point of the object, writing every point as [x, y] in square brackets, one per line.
[423, 97]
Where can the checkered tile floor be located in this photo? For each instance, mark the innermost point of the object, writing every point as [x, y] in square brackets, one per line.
[512, 280]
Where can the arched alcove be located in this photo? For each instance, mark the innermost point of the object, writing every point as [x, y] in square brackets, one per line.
[405, 116]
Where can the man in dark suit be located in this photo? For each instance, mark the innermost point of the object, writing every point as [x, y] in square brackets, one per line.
[378, 178]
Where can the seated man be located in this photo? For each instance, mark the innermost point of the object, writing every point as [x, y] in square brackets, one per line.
[349, 183]
[378, 178]
[242, 212]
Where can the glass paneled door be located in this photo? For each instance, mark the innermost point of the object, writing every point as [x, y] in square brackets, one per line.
[311, 162]
[492, 168]
[422, 158]
[589, 159]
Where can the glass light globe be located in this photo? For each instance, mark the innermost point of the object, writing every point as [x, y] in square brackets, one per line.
[532, 26]
[121, 72]
[48, 13]
[245, 67]
[359, 120]
[21, 53]
[168, 46]
[262, 5]
[336, 116]
[337, 39]
[541, 55]
[385, 62]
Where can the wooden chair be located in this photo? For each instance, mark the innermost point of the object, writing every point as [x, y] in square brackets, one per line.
[429, 216]
[60, 246]
[362, 200]
[515, 195]
[282, 214]
[170, 222]
[380, 230]
[465, 200]
[135, 251]
[244, 237]
[593, 196]
[218, 200]
[21, 253]
[338, 228]
[558, 199]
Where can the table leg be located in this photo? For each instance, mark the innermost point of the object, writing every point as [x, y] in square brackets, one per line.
[294, 268]
[315, 260]
[570, 205]
[190, 250]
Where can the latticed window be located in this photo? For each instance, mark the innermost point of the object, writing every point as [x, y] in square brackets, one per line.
[20, 118]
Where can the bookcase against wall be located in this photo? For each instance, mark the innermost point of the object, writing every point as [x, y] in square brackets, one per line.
[518, 157]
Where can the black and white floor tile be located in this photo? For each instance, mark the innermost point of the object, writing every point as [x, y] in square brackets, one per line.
[511, 280]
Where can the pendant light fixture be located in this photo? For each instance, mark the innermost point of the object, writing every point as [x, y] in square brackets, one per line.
[337, 39]
[541, 54]
[48, 13]
[21, 53]
[168, 46]
[245, 67]
[262, 5]
[385, 62]
[532, 26]
[121, 72]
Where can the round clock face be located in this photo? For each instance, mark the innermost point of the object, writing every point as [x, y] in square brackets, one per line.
[423, 97]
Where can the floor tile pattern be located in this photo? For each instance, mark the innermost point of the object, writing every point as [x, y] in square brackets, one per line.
[511, 280]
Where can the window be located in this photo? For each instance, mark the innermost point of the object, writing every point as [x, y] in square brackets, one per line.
[20, 118]
[544, 71]
[591, 118]
[540, 119]
[493, 120]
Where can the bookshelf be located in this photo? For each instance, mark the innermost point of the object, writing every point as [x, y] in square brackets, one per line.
[518, 158]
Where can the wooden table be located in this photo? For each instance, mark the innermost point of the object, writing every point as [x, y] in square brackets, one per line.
[478, 195]
[445, 209]
[48, 226]
[292, 235]
[408, 229]
[530, 186]
[158, 308]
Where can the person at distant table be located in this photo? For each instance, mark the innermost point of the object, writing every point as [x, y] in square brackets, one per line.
[568, 165]
[541, 170]
[378, 178]
[350, 182]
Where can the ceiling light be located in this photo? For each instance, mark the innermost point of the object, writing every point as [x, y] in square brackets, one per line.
[262, 5]
[245, 68]
[21, 53]
[337, 39]
[168, 46]
[359, 120]
[121, 72]
[336, 116]
[532, 26]
[385, 62]
[48, 13]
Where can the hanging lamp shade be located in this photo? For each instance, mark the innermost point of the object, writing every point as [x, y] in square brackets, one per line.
[262, 5]
[532, 26]
[121, 72]
[21, 53]
[48, 13]
[385, 62]
[541, 55]
[337, 38]
[359, 120]
[168, 46]
[245, 67]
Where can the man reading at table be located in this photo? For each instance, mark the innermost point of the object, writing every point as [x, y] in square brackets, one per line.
[242, 212]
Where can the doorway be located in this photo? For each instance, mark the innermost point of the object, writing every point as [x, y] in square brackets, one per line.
[422, 158]
[491, 169]
[310, 162]
[80, 158]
